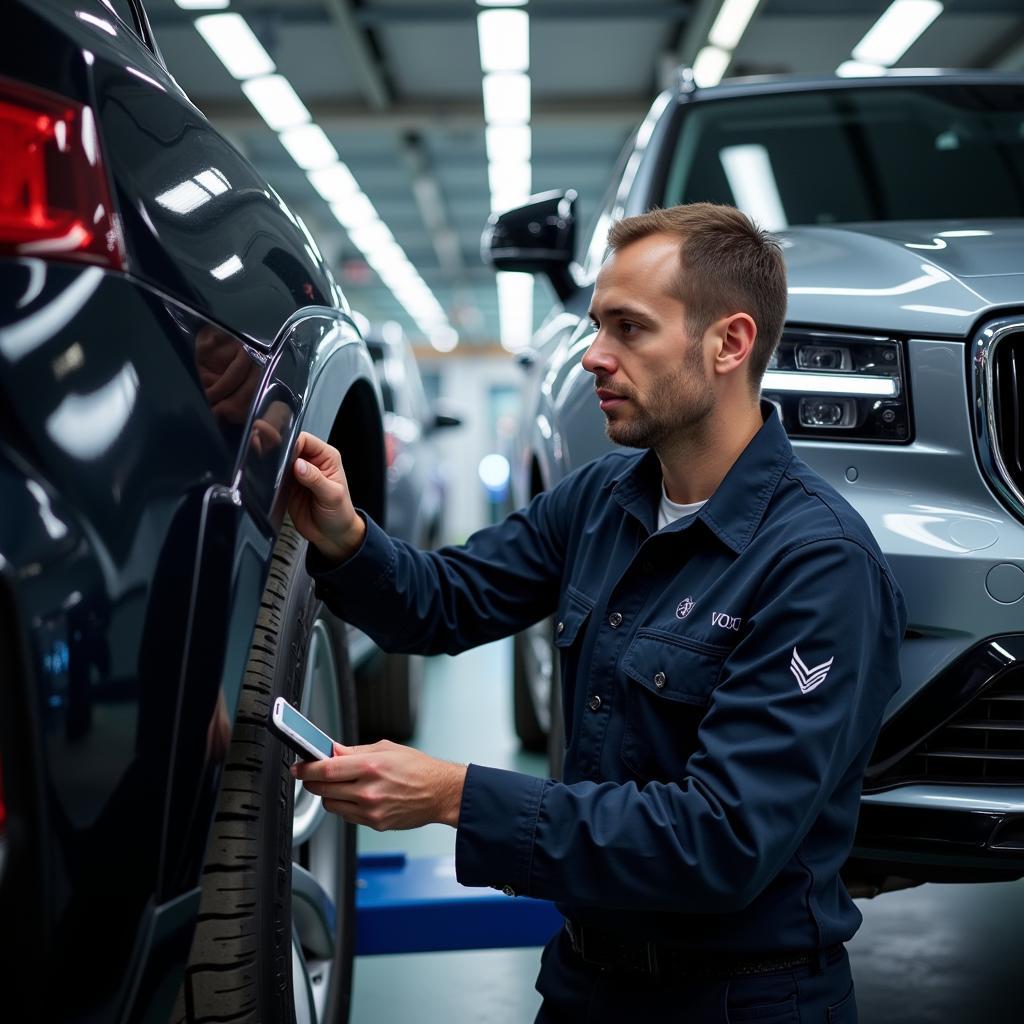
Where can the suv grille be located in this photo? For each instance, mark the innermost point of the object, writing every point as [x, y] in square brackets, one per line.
[999, 408]
[1007, 399]
[984, 742]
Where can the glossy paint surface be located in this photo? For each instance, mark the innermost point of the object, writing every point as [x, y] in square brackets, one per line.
[146, 425]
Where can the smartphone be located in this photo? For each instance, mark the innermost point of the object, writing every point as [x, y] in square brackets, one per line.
[299, 733]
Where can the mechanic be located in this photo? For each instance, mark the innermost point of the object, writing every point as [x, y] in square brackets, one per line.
[729, 635]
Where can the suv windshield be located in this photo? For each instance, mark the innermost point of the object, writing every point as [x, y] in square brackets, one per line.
[857, 154]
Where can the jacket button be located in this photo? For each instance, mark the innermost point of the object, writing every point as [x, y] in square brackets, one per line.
[615, 620]
[659, 679]
[508, 890]
[594, 703]
[560, 629]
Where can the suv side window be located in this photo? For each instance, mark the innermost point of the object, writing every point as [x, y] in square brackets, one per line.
[593, 255]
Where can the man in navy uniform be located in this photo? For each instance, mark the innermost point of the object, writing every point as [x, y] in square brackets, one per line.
[729, 636]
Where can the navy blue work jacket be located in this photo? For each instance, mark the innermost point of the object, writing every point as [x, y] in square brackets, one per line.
[724, 684]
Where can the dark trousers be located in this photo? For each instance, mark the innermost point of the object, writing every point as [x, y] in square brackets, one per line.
[578, 993]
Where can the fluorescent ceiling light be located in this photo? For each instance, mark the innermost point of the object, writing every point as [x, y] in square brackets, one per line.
[505, 178]
[369, 236]
[355, 212]
[752, 180]
[511, 143]
[334, 183]
[858, 69]
[501, 3]
[230, 37]
[504, 40]
[309, 146]
[896, 31]
[829, 383]
[276, 101]
[507, 98]
[710, 65]
[202, 5]
[731, 23]
[502, 201]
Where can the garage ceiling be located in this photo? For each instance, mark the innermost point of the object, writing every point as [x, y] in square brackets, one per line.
[396, 85]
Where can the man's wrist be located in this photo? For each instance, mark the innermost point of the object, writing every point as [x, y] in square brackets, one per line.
[451, 796]
[350, 542]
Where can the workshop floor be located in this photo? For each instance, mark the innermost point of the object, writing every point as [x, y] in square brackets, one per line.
[938, 954]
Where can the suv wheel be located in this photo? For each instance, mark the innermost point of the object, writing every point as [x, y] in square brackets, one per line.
[275, 934]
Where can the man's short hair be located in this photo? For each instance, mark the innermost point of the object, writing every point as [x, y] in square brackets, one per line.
[727, 264]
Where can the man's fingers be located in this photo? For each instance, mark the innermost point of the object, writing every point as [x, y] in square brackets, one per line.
[314, 450]
[333, 769]
[328, 493]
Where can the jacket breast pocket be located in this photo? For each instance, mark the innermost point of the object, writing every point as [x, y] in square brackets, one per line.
[668, 690]
[569, 622]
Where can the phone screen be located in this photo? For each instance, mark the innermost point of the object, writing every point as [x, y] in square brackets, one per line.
[306, 729]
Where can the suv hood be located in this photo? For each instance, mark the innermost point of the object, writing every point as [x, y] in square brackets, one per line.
[910, 277]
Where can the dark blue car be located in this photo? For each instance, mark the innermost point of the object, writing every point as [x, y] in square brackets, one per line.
[167, 327]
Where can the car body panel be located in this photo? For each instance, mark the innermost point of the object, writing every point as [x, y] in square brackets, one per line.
[148, 418]
[868, 277]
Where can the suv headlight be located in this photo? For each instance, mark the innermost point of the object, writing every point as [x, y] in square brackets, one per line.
[839, 386]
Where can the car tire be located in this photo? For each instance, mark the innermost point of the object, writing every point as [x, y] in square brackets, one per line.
[532, 735]
[264, 948]
[389, 689]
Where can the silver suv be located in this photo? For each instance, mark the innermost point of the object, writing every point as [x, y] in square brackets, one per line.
[899, 203]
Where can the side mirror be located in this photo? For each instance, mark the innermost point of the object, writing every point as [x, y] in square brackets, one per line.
[538, 238]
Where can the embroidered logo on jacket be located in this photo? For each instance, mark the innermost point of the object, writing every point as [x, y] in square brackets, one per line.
[732, 622]
[808, 678]
[684, 607]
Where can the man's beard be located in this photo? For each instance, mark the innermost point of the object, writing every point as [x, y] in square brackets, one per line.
[675, 411]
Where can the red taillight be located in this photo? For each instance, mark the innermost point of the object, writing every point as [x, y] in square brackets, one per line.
[54, 197]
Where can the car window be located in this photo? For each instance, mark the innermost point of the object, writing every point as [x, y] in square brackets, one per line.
[596, 237]
[868, 154]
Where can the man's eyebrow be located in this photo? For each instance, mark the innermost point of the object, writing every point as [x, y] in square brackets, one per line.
[629, 312]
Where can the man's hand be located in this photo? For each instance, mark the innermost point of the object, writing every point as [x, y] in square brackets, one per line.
[321, 507]
[386, 786]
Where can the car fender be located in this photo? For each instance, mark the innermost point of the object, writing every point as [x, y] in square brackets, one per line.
[319, 378]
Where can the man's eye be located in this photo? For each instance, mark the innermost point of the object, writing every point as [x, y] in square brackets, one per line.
[628, 328]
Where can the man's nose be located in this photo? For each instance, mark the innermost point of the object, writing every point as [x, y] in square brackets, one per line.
[598, 359]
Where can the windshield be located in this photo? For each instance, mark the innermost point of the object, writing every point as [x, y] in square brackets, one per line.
[867, 154]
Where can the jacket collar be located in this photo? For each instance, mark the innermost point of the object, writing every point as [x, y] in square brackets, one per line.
[734, 512]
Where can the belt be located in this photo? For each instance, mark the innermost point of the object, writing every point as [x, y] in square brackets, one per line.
[610, 951]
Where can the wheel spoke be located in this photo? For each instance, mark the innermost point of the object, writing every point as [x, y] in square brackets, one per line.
[313, 912]
[302, 992]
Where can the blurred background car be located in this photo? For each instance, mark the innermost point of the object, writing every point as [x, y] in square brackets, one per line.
[388, 685]
[899, 205]
[167, 327]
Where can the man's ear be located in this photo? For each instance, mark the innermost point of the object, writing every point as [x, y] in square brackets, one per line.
[737, 334]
